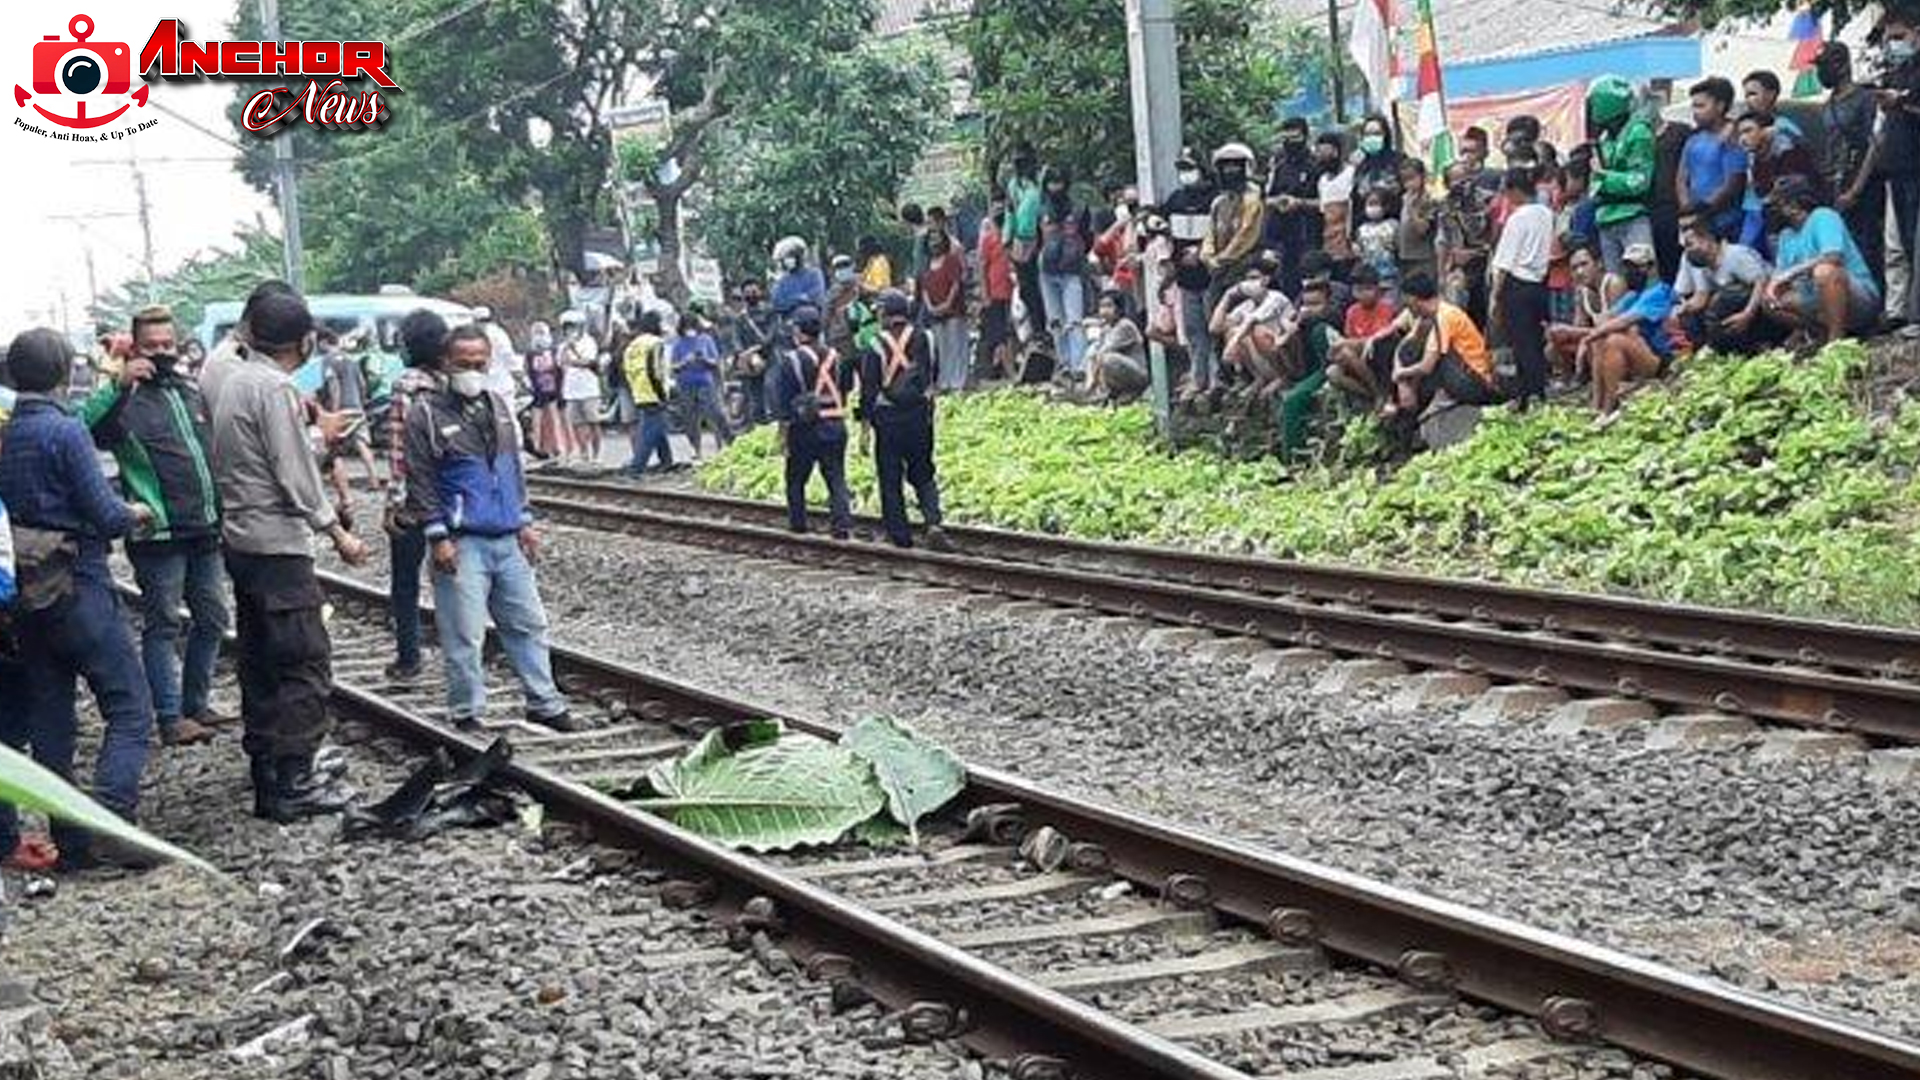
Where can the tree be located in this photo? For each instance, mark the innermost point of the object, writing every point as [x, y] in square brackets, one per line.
[825, 160]
[1714, 12]
[1051, 74]
[501, 102]
[201, 280]
[713, 60]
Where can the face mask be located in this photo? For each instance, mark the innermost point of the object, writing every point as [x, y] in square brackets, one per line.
[1831, 76]
[1233, 175]
[1376, 212]
[1636, 278]
[792, 262]
[468, 384]
[1123, 213]
[1292, 143]
[1372, 144]
[1900, 50]
[1699, 259]
[1189, 177]
[164, 362]
[842, 276]
[1254, 290]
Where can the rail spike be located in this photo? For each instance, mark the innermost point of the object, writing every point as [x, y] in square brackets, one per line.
[1293, 926]
[1038, 1067]
[1004, 824]
[1570, 1019]
[1187, 891]
[1426, 970]
[931, 1021]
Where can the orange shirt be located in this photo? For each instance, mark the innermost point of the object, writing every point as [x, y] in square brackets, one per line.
[1460, 337]
[1364, 321]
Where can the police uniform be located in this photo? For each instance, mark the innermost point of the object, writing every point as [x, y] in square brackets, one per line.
[896, 378]
[810, 390]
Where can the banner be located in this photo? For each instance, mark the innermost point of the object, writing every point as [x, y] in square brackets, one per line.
[1561, 109]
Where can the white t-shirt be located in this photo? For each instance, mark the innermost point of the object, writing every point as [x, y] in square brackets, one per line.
[581, 383]
[1739, 265]
[501, 368]
[1526, 244]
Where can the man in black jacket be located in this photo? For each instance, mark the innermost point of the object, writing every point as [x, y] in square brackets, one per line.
[896, 404]
[810, 402]
[154, 421]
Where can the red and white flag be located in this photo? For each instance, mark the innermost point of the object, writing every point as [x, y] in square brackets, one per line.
[1371, 44]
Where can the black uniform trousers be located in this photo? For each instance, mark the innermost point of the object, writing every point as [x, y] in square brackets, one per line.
[903, 454]
[821, 446]
[285, 665]
[1525, 308]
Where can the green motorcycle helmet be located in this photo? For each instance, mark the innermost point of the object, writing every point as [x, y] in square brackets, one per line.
[1609, 102]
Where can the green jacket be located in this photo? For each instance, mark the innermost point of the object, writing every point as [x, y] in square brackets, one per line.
[1623, 173]
[158, 432]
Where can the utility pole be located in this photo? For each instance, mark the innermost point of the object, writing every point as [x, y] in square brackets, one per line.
[1153, 61]
[286, 184]
[146, 224]
[1335, 64]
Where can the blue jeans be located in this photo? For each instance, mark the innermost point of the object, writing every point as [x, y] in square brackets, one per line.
[650, 440]
[169, 574]
[408, 549]
[85, 636]
[494, 578]
[1066, 299]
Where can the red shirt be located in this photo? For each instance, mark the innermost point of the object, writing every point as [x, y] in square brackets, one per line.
[995, 266]
[1364, 321]
[1112, 249]
[940, 286]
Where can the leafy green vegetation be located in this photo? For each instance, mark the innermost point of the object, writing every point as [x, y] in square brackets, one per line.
[1758, 482]
[759, 787]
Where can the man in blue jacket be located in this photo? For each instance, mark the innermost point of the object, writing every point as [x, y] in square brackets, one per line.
[68, 621]
[465, 486]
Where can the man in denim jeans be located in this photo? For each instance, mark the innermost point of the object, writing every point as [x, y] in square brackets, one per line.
[67, 619]
[465, 486]
[154, 420]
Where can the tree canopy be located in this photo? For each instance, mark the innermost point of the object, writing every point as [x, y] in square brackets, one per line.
[1052, 74]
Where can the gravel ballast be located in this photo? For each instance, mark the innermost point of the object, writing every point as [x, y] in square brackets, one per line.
[497, 954]
[1797, 878]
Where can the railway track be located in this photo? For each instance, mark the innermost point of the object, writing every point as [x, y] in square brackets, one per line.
[1799, 672]
[1060, 938]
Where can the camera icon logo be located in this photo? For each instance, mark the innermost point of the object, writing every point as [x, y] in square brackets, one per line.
[82, 70]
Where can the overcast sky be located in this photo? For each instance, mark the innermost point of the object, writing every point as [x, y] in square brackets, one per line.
[197, 198]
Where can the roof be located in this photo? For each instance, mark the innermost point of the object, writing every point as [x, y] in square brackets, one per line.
[1492, 29]
[899, 16]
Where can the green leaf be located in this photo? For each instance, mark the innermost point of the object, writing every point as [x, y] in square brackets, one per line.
[770, 794]
[25, 784]
[919, 777]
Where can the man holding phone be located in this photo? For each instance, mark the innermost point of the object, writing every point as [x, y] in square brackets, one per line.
[154, 421]
[343, 390]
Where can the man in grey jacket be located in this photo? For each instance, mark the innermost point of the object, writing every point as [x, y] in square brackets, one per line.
[275, 504]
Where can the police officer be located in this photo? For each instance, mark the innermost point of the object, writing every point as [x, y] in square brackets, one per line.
[810, 401]
[896, 404]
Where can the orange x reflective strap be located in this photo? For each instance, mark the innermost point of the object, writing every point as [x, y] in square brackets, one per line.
[826, 387]
[899, 357]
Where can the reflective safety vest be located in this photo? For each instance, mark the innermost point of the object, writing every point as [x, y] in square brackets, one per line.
[899, 358]
[826, 382]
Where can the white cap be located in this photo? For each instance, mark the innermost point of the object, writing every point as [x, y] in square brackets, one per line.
[481, 312]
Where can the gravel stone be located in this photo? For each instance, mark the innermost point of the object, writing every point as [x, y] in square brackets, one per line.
[1703, 858]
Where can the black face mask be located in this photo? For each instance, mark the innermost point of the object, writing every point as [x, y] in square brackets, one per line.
[1700, 259]
[1831, 75]
[1636, 278]
[1233, 175]
[164, 363]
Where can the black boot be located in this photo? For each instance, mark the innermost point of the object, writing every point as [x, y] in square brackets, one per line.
[266, 787]
[303, 793]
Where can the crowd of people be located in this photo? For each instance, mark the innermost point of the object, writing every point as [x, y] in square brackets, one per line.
[221, 491]
[1341, 264]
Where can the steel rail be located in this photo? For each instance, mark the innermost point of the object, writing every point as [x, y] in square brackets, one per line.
[1574, 989]
[1874, 650]
[1883, 709]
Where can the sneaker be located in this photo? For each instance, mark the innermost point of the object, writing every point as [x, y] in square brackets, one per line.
[185, 732]
[937, 539]
[207, 718]
[467, 724]
[398, 672]
[561, 721]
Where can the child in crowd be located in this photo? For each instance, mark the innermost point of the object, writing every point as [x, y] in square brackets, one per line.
[1377, 241]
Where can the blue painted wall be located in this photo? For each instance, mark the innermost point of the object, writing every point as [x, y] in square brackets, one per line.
[1638, 58]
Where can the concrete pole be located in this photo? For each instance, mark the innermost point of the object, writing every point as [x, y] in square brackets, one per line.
[285, 181]
[1153, 60]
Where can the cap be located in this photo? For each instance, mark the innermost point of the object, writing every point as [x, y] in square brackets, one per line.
[1640, 255]
[1233, 152]
[1792, 189]
[806, 319]
[568, 318]
[895, 305]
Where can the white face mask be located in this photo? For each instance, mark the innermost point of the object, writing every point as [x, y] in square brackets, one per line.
[1123, 213]
[468, 384]
[1189, 176]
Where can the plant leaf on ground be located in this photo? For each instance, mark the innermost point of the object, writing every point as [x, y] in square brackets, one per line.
[1748, 481]
[768, 792]
[918, 776]
[25, 784]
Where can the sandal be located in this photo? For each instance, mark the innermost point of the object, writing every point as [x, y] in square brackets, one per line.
[33, 855]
